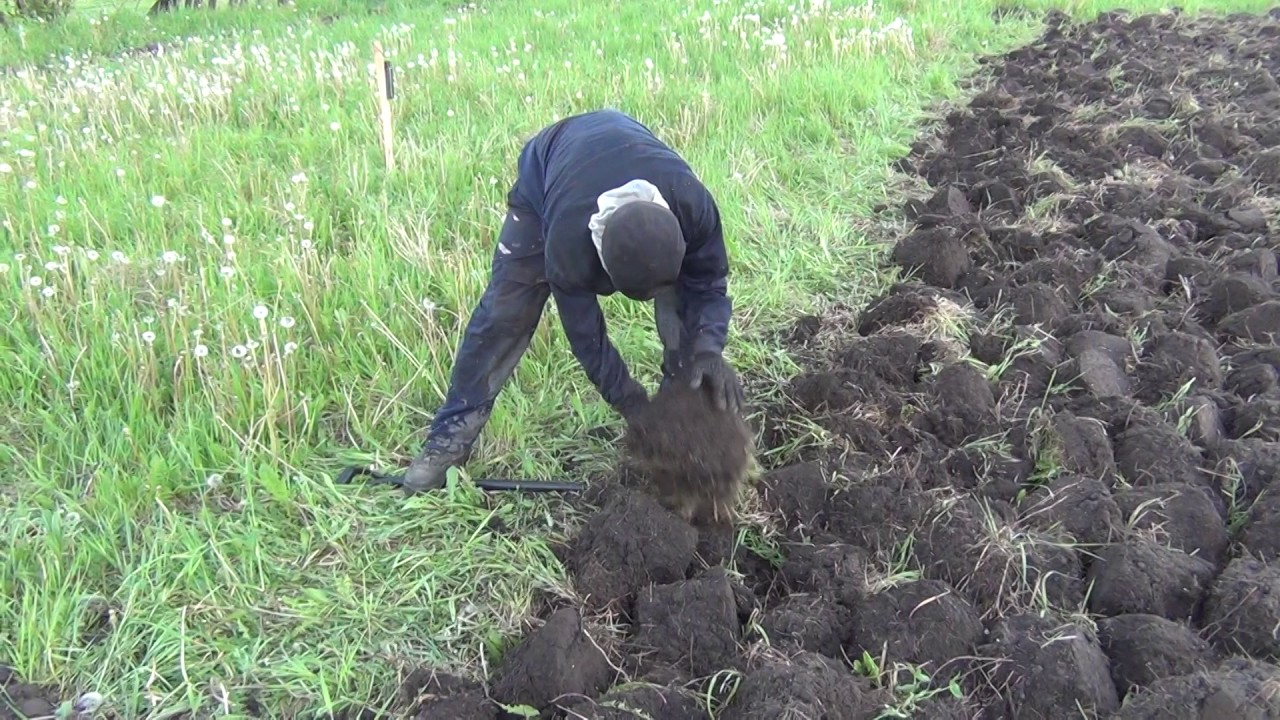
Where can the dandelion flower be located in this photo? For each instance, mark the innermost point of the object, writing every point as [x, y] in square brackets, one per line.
[200, 351]
[4, 268]
[335, 126]
[286, 322]
[119, 257]
[48, 291]
[228, 239]
[260, 312]
[157, 200]
[5, 168]
[170, 256]
[239, 351]
[298, 178]
[227, 272]
[290, 347]
[91, 254]
[226, 222]
[148, 337]
[36, 281]
[119, 172]
[213, 481]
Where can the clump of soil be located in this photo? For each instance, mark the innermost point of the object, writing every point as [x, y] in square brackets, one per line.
[19, 700]
[1139, 576]
[806, 685]
[696, 456]
[559, 658]
[1145, 648]
[1238, 688]
[630, 542]
[1048, 669]
[690, 626]
[427, 694]
[1243, 609]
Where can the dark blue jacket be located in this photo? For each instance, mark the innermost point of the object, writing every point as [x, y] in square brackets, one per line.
[561, 172]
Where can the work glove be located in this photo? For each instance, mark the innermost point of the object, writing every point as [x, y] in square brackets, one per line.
[710, 369]
[427, 472]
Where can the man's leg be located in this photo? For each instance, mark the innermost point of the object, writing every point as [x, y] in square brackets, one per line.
[496, 337]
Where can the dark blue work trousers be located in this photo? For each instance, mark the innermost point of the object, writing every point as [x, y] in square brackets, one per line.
[498, 334]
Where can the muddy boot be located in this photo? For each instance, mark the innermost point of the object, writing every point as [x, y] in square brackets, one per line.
[429, 470]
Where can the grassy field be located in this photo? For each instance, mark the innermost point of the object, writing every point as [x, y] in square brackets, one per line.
[216, 297]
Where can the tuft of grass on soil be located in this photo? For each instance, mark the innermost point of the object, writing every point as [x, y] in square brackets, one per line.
[217, 297]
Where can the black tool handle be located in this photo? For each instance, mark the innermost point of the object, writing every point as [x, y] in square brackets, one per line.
[494, 484]
[530, 485]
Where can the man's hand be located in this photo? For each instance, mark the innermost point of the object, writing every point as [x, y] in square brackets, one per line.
[726, 389]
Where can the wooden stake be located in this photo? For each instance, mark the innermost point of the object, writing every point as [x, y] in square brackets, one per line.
[383, 71]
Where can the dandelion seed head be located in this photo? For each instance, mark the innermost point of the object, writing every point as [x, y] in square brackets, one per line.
[170, 256]
[260, 312]
[286, 322]
[200, 351]
[148, 337]
[157, 200]
[35, 281]
[239, 351]
[48, 291]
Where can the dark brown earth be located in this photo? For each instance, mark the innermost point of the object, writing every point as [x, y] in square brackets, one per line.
[1054, 445]
[694, 457]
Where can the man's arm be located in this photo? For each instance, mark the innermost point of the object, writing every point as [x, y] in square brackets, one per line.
[584, 326]
[704, 278]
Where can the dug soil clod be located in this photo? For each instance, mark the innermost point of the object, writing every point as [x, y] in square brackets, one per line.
[696, 456]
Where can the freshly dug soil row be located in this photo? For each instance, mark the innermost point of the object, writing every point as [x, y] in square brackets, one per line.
[1059, 419]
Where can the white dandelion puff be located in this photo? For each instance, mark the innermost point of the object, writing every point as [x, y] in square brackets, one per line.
[200, 351]
[286, 322]
[260, 312]
[35, 281]
[170, 257]
[157, 200]
[48, 291]
[148, 337]
[239, 351]
[227, 272]
[5, 168]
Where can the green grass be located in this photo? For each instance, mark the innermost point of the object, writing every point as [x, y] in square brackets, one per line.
[169, 452]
